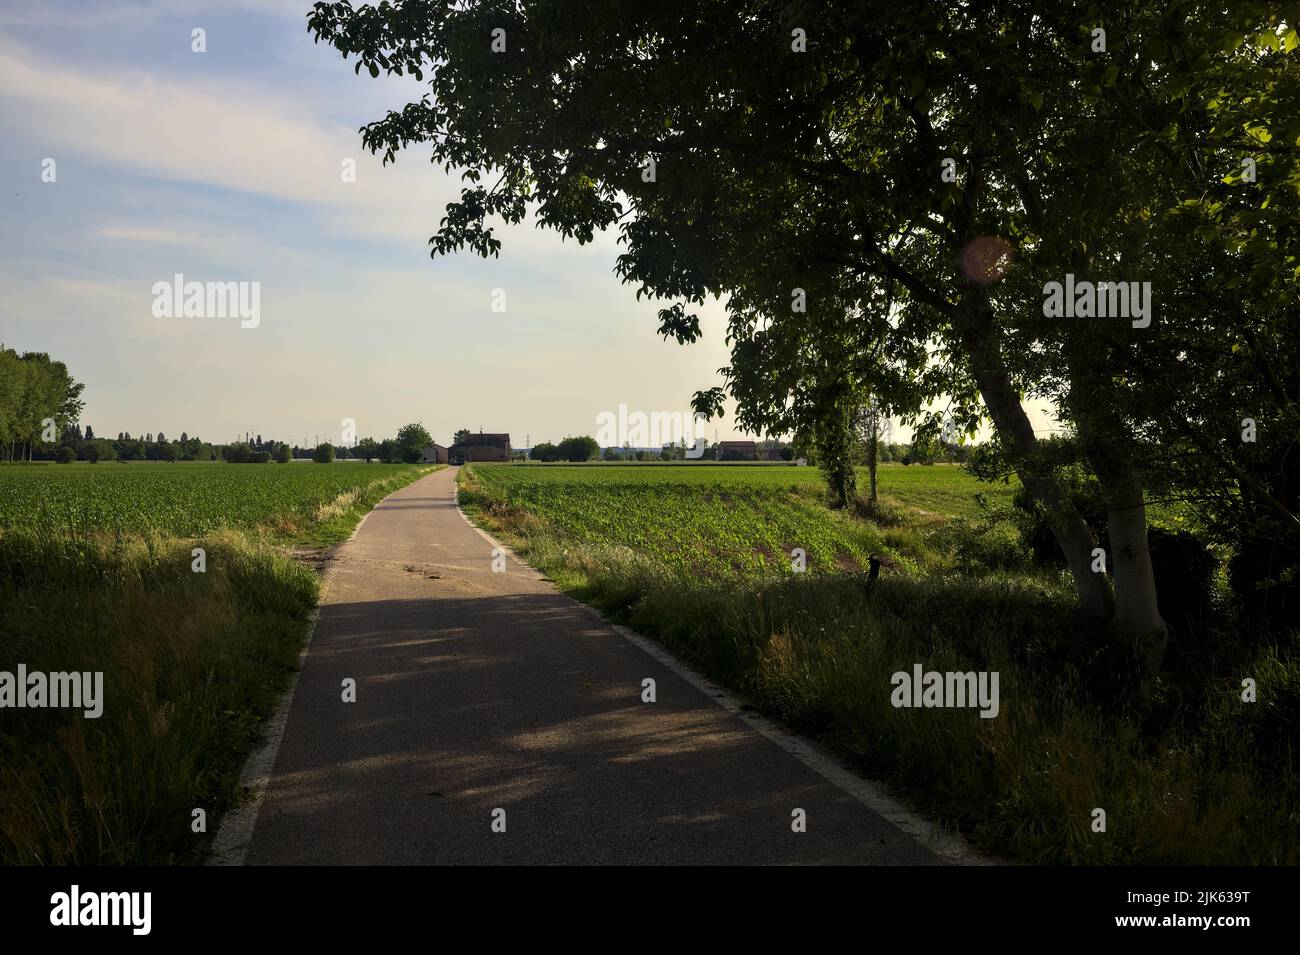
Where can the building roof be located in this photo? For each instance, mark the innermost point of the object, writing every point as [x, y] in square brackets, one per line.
[482, 440]
[746, 445]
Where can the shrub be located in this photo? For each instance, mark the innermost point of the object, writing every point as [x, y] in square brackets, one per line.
[578, 449]
[1184, 571]
[988, 545]
[98, 450]
[1266, 584]
[411, 441]
[545, 451]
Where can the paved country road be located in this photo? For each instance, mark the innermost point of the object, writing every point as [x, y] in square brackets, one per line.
[478, 690]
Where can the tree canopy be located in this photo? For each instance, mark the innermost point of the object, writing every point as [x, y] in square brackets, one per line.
[38, 397]
[884, 194]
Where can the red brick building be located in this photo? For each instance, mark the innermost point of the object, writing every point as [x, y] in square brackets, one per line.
[434, 454]
[737, 451]
[480, 447]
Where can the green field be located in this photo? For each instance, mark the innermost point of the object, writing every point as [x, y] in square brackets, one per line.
[698, 557]
[182, 499]
[734, 519]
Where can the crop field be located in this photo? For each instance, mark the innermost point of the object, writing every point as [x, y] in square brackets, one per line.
[735, 518]
[182, 499]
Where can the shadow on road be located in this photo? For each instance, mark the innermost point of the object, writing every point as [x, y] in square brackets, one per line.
[528, 704]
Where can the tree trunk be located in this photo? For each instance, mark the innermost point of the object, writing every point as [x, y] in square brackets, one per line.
[975, 326]
[1108, 448]
[1137, 614]
[873, 449]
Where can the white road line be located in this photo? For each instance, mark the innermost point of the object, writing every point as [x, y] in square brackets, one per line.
[235, 831]
[235, 834]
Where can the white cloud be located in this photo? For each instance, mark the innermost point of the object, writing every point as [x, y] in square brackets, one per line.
[196, 130]
[78, 14]
[253, 140]
[148, 234]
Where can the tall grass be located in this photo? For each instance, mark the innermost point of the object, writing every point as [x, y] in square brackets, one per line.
[192, 663]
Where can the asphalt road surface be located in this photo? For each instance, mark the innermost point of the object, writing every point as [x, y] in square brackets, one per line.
[479, 691]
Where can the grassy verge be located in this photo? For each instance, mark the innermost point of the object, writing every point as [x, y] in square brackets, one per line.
[333, 522]
[192, 663]
[1197, 777]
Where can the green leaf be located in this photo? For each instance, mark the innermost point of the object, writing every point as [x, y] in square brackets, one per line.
[1230, 41]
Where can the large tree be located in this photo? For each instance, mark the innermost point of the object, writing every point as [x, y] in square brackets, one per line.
[411, 441]
[34, 389]
[949, 159]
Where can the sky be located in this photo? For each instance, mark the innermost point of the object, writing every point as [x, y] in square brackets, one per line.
[227, 166]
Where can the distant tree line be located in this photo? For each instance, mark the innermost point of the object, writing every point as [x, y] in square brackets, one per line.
[406, 448]
[39, 399]
[931, 450]
[574, 449]
[411, 440]
[40, 410]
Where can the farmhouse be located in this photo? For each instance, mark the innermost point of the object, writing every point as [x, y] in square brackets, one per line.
[737, 451]
[480, 447]
[434, 454]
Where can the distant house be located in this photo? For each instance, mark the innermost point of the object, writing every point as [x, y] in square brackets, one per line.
[434, 454]
[480, 447]
[737, 451]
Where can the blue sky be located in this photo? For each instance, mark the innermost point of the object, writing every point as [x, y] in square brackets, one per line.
[225, 166]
